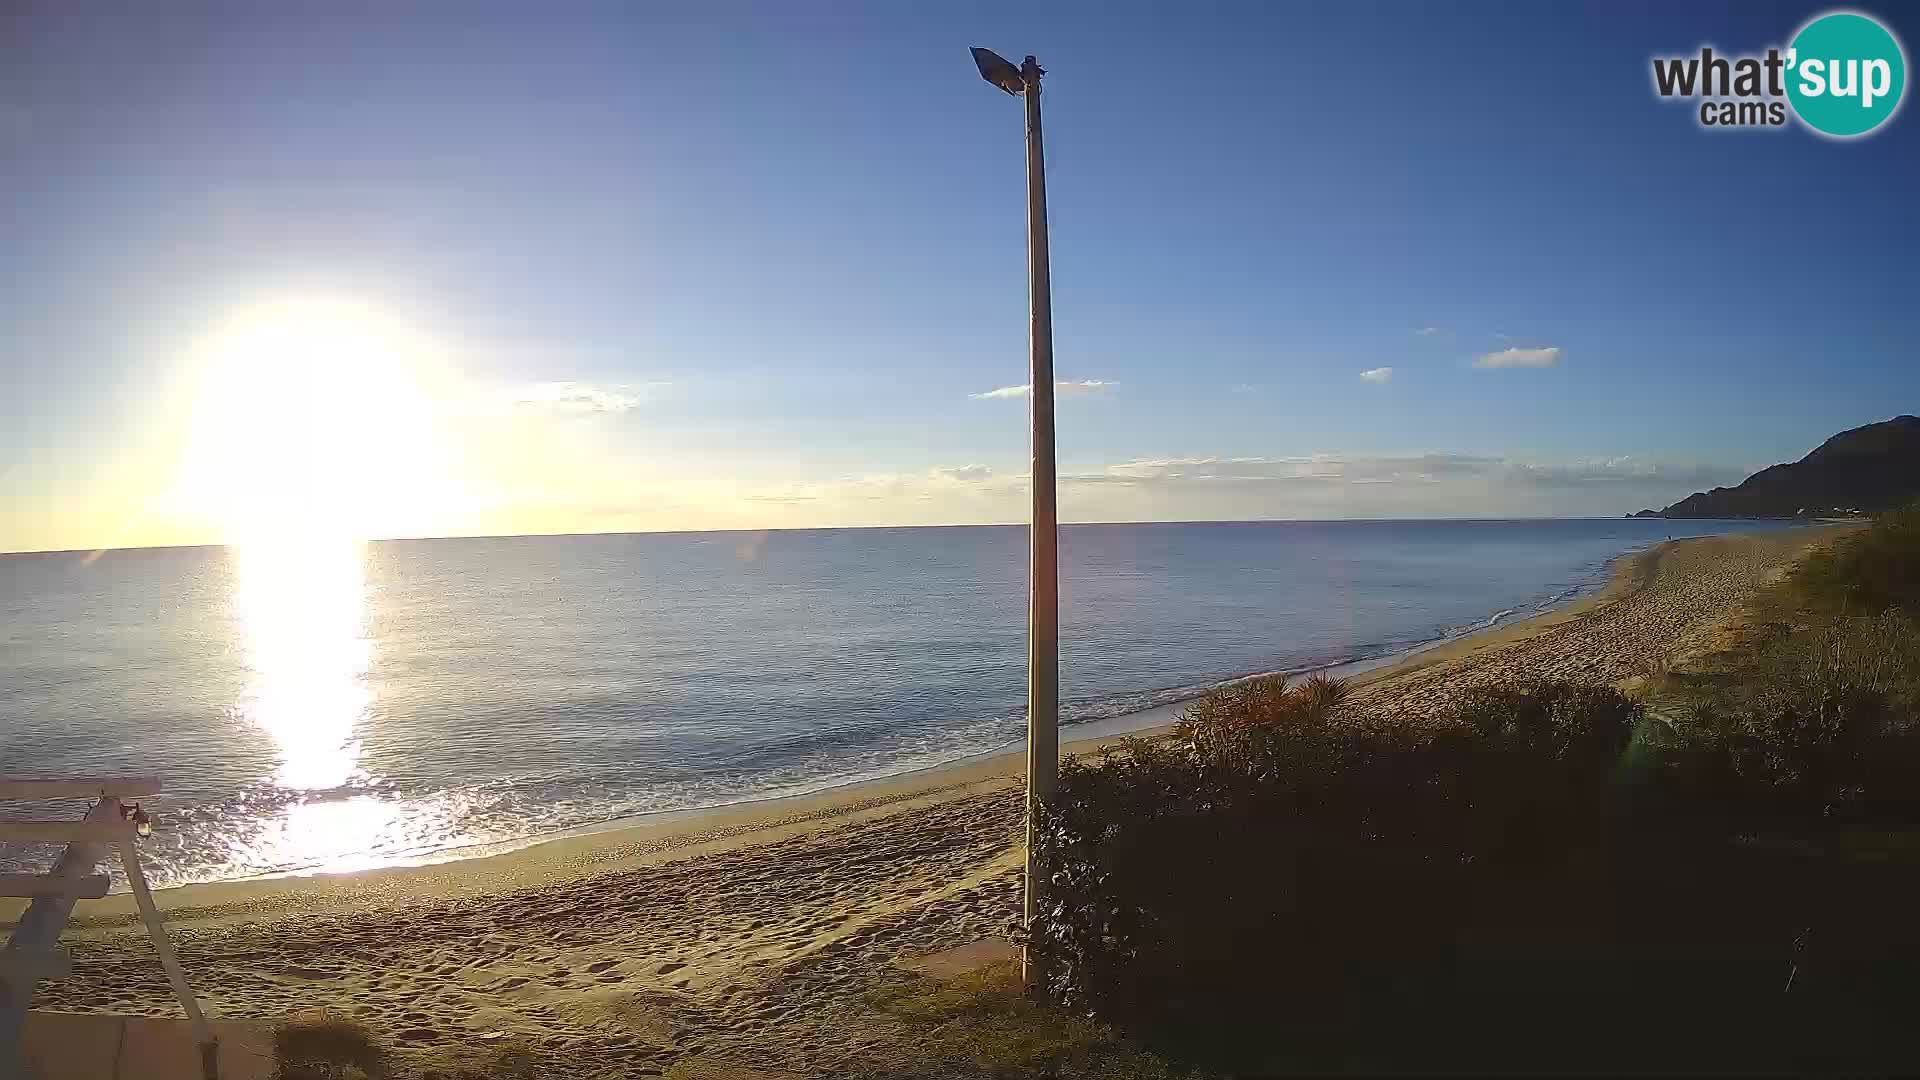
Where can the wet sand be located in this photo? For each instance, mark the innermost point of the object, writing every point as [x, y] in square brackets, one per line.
[745, 937]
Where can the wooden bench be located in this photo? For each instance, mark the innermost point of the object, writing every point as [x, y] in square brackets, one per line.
[34, 953]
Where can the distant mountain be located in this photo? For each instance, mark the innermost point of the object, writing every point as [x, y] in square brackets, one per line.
[1866, 469]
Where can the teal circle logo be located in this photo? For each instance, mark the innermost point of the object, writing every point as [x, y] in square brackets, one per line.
[1846, 74]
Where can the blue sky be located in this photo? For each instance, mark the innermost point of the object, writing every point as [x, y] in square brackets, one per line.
[748, 266]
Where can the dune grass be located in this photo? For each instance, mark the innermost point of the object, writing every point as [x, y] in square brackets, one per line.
[335, 1048]
[1817, 705]
[1867, 573]
[981, 1024]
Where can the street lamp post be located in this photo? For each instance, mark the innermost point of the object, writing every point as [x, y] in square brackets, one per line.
[1043, 571]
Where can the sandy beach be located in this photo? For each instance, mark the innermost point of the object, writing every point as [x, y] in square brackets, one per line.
[743, 938]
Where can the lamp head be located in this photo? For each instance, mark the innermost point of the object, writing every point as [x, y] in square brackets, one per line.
[997, 70]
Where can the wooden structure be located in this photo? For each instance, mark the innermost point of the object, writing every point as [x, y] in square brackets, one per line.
[34, 952]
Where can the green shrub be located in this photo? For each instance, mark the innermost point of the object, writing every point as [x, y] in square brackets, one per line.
[338, 1049]
[1260, 859]
[1820, 721]
[1255, 727]
[1564, 721]
[328, 1049]
[1820, 746]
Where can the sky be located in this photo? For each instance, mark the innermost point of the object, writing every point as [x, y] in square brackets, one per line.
[477, 269]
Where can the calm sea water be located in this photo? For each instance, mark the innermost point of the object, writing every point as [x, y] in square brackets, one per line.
[333, 707]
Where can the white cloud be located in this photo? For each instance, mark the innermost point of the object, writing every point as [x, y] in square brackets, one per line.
[1625, 470]
[1427, 331]
[1060, 386]
[1413, 468]
[943, 482]
[584, 399]
[1083, 386]
[1210, 470]
[1325, 485]
[1377, 375]
[1328, 485]
[1544, 357]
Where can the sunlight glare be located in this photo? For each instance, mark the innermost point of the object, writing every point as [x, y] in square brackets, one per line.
[300, 606]
[315, 417]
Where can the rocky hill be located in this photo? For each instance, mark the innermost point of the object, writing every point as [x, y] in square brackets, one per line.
[1863, 470]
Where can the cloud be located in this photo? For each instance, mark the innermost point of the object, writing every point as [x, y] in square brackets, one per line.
[1060, 386]
[1328, 471]
[1234, 471]
[1324, 485]
[943, 482]
[585, 399]
[1336, 469]
[1377, 375]
[1427, 331]
[1625, 470]
[1544, 357]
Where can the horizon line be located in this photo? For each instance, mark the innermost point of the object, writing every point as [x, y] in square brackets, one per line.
[873, 528]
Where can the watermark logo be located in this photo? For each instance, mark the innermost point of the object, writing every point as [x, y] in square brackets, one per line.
[1849, 74]
[1843, 75]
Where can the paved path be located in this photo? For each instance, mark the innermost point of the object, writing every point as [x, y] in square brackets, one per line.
[107, 1046]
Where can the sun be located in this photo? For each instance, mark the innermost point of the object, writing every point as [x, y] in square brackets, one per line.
[315, 419]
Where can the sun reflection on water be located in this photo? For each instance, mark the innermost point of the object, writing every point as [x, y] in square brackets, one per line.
[301, 606]
[302, 610]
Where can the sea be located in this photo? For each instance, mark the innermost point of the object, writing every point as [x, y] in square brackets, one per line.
[326, 706]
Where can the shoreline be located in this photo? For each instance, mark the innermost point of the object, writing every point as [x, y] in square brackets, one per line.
[754, 933]
[1076, 736]
[635, 841]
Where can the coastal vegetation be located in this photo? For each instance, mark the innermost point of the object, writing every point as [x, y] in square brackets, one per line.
[1716, 872]
[339, 1048]
[980, 1022]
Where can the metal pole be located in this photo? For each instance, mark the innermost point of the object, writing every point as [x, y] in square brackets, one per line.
[1043, 599]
